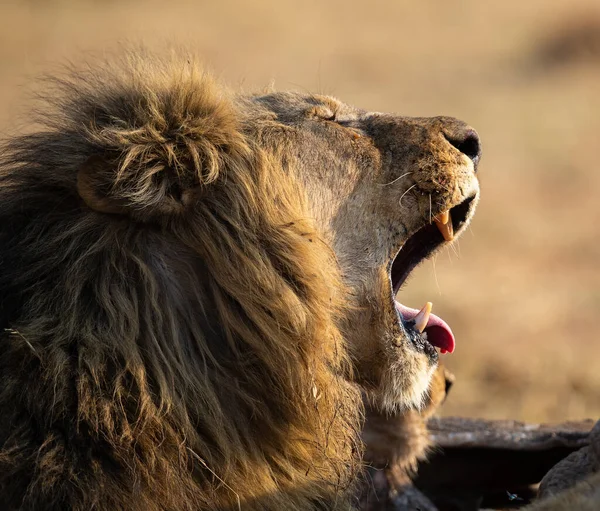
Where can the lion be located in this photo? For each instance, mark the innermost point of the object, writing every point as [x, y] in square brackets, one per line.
[394, 446]
[197, 286]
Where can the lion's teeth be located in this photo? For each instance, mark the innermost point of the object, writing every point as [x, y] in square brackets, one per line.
[422, 318]
[443, 217]
[444, 224]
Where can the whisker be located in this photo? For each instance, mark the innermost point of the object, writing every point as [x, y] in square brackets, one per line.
[437, 283]
[453, 247]
[430, 215]
[392, 182]
[400, 202]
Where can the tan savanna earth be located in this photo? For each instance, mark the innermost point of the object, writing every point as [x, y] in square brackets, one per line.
[522, 288]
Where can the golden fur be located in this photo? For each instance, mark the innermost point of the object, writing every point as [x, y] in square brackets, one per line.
[184, 320]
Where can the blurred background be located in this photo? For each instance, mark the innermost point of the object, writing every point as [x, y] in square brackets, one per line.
[522, 288]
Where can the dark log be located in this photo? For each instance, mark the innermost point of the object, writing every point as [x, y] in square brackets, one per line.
[458, 432]
[496, 464]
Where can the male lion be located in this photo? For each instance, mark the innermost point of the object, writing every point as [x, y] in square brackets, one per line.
[195, 286]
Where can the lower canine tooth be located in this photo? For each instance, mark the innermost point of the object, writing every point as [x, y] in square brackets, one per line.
[444, 224]
[422, 318]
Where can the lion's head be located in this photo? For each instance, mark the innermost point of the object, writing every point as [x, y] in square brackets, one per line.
[196, 285]
[387, 191]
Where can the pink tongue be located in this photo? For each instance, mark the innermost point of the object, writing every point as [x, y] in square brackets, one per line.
[438, 331]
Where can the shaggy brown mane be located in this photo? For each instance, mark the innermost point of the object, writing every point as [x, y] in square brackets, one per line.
[167, 308]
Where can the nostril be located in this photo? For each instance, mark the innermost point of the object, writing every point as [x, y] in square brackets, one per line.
[467, 143]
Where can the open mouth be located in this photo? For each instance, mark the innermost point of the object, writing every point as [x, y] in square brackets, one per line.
[426, 330]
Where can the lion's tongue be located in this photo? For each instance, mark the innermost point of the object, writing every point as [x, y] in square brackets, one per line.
[438, 331]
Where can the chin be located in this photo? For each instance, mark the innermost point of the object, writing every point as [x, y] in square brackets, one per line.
[395, 395]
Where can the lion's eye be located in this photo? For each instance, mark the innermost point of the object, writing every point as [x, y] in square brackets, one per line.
[324, 113]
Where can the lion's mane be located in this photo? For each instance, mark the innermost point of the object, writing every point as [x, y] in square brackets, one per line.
[168, 311]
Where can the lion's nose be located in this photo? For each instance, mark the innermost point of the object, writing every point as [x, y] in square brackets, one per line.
[466, 140]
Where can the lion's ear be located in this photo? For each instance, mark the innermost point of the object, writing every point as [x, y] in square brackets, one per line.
[100, 188]
[93, 186]
[154, 153]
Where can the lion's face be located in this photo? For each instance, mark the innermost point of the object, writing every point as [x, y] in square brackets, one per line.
[389, 191]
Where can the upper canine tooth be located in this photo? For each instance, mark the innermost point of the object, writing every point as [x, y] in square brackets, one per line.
[443, 217]
[422, 318]
[444, 224]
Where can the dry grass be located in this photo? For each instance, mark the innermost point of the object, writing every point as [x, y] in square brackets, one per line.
[523, 294]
